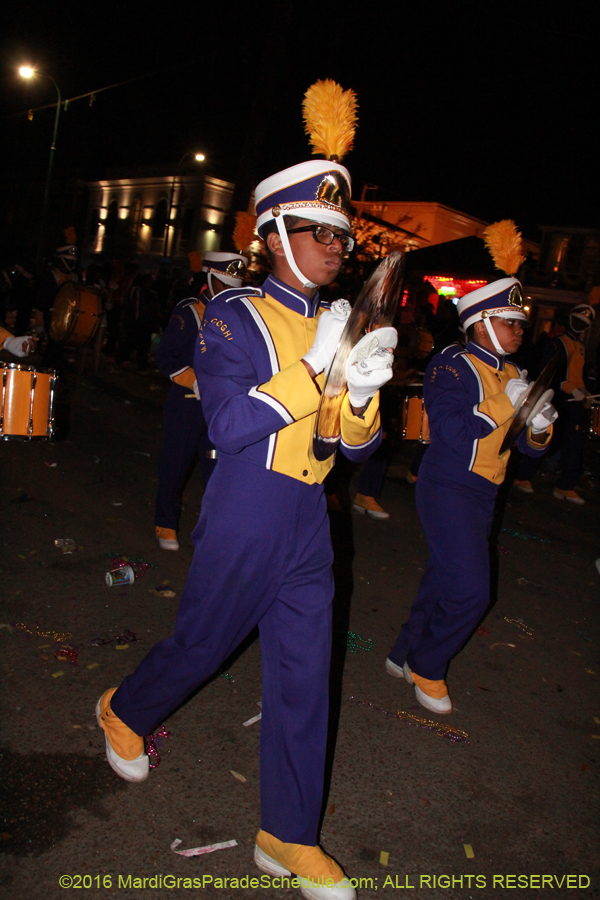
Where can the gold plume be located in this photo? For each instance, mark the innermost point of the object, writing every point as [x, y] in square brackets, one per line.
[504, 242]
[195, 261]
[70, 235]
[245, 230]
[330, 118]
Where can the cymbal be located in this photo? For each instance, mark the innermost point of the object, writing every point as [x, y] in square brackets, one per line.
[523, 415]
[375, 307]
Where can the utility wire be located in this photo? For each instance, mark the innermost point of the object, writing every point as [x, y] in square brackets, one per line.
[91, 94]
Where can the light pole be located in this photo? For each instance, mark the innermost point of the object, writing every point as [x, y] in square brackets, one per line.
[28, 72]
[199, 157]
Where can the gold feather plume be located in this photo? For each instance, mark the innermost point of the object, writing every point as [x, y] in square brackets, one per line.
[70, 235]
[330, 118]
[195, 261]
[504, 242]
[245, 231]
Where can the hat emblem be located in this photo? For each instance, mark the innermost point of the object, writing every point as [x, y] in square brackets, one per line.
[333, 189]
[515, 297]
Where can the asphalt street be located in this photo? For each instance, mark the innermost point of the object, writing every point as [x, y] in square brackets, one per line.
[413, 811]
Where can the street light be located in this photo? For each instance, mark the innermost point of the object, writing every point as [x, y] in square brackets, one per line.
[29, 72]
[199, 157]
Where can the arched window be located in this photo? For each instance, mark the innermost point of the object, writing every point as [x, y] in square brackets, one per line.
[135, 216]
[112, 219]
[159, 220]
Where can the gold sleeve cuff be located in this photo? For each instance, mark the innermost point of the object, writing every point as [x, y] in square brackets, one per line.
[498, 407]
[185, 378]
[294, 390]
[543, 438]
[357, 430]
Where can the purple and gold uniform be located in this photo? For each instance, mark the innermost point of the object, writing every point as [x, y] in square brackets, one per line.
[262, 546]
[469, 415]
[184, 427]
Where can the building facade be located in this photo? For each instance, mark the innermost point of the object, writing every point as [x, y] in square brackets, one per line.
[154, 218]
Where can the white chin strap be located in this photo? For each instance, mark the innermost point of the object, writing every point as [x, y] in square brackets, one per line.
[290, 256]
[490, 330]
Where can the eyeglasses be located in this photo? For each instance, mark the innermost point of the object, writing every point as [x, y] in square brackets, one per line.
[513, 323]
[324, 235]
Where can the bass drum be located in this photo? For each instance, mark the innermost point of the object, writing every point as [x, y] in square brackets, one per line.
[76, 314]
[26, 402]
[415, 422]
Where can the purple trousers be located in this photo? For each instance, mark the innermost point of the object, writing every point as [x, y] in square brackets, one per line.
[262, 557]
[455, 590]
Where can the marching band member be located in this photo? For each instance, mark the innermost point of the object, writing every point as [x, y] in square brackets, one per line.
[262, 545]
[184, 427]
[471, 395]
[569, 397]
[19, 346]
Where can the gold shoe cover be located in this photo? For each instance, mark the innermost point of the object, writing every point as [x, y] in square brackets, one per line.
[303, 861]
[125, 742]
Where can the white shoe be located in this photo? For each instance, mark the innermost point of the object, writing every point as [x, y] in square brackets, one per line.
[135, 770]
[343, 890]
[407, 673]
[166, 544]
[392, 669]
[442, 707]
[365, 504]
[267, 864]
[569, 496]
[167, 538]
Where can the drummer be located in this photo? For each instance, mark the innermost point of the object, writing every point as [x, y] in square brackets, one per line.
[62, 269]
[470, 395]
[18, 346]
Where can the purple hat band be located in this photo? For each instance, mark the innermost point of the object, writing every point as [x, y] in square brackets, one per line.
[302, 191]
[507, 299]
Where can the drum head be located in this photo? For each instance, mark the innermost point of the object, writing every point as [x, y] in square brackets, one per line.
[64, 311]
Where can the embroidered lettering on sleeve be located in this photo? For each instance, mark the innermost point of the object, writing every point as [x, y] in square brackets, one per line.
[223, 327]
[445, 368]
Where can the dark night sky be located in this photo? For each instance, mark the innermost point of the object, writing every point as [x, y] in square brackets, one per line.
[489, 107]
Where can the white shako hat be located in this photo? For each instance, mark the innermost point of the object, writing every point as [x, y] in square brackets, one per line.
[230, 268]
[67, 254]
[581, 317]
[318, 190]
[502, 298]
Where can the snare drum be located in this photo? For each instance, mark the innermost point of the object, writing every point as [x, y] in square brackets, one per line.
[76, 314]
[26, 402]
[415, 423]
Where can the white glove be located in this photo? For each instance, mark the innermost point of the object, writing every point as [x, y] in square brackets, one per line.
[542, 421]
[369, 365]
[576, 393]
[18, 346]
[196, 390]
[329, 331]
[517, 389]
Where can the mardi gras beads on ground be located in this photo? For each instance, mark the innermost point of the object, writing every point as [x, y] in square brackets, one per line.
[151, 750]
[446, 731]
